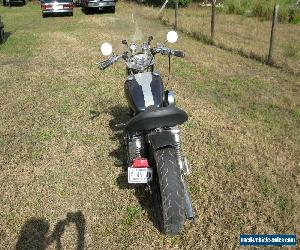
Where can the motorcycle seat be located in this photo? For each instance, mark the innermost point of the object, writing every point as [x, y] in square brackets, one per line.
[154, 117]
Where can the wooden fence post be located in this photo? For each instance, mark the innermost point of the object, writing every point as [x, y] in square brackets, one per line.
[272, 39]
[213, 16]
[176, 14]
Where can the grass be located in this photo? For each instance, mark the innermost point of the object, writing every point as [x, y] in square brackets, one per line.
[247, 36]
[57, 145]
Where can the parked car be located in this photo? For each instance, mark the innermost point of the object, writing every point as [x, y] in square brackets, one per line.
[77, 2]
[89, 5]
[13, 2]
[2, 35]
[52, 7]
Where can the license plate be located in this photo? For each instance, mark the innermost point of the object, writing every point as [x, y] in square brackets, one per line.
[57, 7]
[105, 4]
[139, 175]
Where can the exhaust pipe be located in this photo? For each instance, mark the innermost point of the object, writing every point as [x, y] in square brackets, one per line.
[187, 202]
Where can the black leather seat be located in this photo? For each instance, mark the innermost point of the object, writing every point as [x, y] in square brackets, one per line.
[154, 117]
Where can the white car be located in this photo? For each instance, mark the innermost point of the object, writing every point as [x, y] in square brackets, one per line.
[51, 7]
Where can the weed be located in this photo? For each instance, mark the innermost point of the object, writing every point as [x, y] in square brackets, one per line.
[131, 214]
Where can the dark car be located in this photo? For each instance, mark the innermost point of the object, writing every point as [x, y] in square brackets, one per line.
[51, 7]
[13, 2]
[89, 5]
[2, 36]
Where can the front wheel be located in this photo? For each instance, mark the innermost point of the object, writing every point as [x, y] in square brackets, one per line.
[171, 190]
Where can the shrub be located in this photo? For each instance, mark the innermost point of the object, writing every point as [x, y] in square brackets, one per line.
[294, 14]
[264, 9]
[171, 3]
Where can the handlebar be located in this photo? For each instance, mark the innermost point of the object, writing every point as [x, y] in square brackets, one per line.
[162, 50]
[178, 53]
[105, 64]
[167, 51]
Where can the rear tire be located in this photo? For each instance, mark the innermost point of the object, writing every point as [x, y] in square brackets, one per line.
[171, 190]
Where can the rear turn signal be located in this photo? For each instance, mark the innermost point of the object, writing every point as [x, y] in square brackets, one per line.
[68, 6]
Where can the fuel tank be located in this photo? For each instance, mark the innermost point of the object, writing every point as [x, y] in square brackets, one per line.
[143, 90]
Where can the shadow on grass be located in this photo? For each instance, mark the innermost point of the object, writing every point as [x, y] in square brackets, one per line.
[34, 233]
[6, 36]
[148, 201]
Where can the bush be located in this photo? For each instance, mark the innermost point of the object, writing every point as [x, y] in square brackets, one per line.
[294, 14]
[261, 9]
[181, 3]
[264, 9]
[171, 3]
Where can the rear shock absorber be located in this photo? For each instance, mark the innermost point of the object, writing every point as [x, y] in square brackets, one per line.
[138, 146]
[135, 147]
[180, 158]
[177, 146]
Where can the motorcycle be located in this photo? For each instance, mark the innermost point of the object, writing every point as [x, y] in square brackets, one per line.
[152, 135]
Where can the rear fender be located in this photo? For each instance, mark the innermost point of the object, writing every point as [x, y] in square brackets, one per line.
[161, 139]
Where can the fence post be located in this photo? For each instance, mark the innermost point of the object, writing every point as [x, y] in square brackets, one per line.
[176, 14]
[272, 39]
[213, 16]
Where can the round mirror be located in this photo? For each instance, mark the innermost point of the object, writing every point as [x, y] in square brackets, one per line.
[106, 49]
[172, 36]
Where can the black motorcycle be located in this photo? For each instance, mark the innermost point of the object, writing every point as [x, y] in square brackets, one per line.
[152, 136]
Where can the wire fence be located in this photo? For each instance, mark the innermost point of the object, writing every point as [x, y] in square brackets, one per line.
[247, 36]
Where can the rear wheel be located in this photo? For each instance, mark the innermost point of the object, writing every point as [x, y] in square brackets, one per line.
[171, 190]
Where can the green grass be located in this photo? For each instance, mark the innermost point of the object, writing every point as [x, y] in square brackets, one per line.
[132, 213]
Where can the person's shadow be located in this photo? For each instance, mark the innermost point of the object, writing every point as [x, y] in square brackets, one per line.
[34, 234]
[148, 201]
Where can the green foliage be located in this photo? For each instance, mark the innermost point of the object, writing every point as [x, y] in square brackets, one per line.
[171, 3]
[181, 3]
[294, 14]
[288, 12]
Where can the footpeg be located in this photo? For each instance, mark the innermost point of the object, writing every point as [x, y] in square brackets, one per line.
[120, 125]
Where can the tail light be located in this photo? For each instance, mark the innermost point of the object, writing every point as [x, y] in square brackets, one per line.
[68, 6]
[140, 163]
[46, 7]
